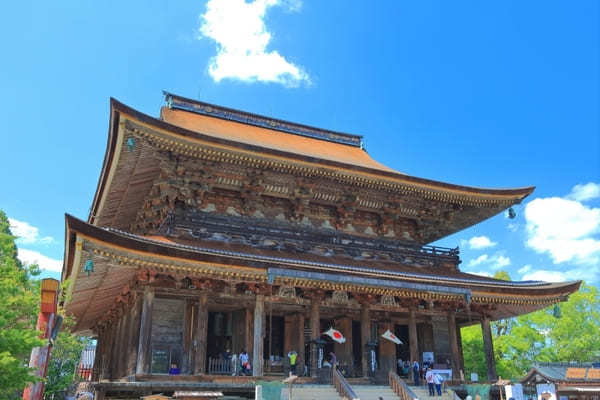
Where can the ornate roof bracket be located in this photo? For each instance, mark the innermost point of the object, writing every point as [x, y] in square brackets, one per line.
[273, 273]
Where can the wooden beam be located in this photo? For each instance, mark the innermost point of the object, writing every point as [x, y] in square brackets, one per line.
[200, 335]
[144, 357]
[257, 355]
[488, 347]
[452, 338]
[365, 337]
[300, 361]
[412, 336]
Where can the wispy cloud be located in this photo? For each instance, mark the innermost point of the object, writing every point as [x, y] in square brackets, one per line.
[564, 228]
[28, 234]
[494, 262]
[33, 257]
[585, 192]
[524, 269]
[480, 242]
[239, 30]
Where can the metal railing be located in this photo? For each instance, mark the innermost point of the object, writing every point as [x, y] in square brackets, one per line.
[400, 388]
[219, 366]
[342, 386]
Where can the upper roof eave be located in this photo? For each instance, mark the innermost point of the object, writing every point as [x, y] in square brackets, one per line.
[117, 108]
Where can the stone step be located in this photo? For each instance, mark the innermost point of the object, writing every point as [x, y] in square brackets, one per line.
[311, 392]
[374, 392]
[422, 392]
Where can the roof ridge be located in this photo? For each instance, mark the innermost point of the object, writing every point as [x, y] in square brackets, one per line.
[177, 102]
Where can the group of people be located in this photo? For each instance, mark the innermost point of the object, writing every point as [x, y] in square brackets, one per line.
[434, 380]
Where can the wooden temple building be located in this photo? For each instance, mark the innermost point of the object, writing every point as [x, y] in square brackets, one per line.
[214, 231]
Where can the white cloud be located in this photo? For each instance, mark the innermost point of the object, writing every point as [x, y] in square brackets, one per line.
[33, 257]
[542, 275]
[494, 262]
[585, 192]
[481, 242]
[565, 229]
[238, 28]
[27, 234]
[524, 269]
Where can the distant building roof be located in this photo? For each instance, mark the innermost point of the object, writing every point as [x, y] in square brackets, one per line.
[564, 372]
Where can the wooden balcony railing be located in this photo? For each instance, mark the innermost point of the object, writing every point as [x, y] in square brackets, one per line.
[400, 388]
[342, 386]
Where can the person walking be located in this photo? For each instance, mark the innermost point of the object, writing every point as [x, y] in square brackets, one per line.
[430, 381]
[416, 371]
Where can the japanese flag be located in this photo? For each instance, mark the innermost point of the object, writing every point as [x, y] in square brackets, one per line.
[335, 335]
[390, 336]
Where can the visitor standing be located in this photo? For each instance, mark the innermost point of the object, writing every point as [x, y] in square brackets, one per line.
[430, 381]
[292, 355]
[416, 371]
[437, 379]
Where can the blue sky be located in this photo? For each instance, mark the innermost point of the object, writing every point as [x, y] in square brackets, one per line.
[488, 94]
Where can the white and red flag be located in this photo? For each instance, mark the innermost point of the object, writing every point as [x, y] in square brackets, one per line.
[335, 335]
[390, 336]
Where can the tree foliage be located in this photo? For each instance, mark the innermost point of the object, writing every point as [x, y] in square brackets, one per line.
[565, 332]
[19, 304]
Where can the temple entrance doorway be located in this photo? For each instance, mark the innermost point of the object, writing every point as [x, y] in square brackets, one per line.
[273, 343]
[402, 350]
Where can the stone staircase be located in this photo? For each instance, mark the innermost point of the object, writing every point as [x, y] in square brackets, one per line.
[374, 392]
[422, 392]
[311, 392]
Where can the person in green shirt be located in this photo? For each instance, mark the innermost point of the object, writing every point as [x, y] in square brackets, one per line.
[292, 355]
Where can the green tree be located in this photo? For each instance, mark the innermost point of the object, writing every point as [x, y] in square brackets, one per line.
[19, 304]
[65, 356]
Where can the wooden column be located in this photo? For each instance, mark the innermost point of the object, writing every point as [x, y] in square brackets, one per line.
[249, 331]
[412, 336]
[387, 349]
[200, 335]
[114, 358]
[300, 361]
[365, 337]
[124, 348]
[488, 347]
[257, 351]
[314, 334]
[460, 351]
[98, 357]
[188, 332]
[343, 351]
[452, 338]
[144, 357]
[134, 335]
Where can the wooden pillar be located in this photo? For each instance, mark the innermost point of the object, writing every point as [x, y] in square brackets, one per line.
[187, 359]
[144, 356]
[412, 336]
[460, 352]
[257, 354]
[200, 335]
[289, 333]
[488, 347]
[134, 335]
[300, 361]
[387, 349]
[314, 334]
[98, 357]
[452, 338]
[343, 351]
[249, 331]
[114, 359]
[124, 348]
[365, 337]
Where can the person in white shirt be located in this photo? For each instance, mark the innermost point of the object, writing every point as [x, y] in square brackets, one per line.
[437, 379]
[429, 377]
